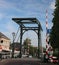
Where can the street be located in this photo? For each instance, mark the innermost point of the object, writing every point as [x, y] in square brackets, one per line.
[23, 61]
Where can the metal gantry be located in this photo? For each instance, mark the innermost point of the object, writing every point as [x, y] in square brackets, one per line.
[23, 23]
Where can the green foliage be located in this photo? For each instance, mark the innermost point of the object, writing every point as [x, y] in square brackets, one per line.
[44, 49]
[26, 42]
[54, 36]
[55, 53]
[33, 51]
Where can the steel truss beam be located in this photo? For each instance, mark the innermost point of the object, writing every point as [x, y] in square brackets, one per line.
[30, 28]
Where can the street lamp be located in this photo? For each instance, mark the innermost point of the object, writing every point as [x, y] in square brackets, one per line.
[13, 34]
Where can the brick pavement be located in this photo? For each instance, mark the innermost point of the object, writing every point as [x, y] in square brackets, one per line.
[24, 61]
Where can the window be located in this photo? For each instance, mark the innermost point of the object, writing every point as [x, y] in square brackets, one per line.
[1, 41]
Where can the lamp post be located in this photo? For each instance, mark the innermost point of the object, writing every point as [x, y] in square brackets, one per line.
[13, 34]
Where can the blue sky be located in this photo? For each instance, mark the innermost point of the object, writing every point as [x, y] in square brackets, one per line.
[25, 8]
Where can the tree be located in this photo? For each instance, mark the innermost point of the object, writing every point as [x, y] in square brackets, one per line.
[26, 44]
[29, 48]
[54, 36]
[33, 51]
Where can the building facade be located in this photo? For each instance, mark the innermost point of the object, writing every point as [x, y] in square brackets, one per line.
[4, 42]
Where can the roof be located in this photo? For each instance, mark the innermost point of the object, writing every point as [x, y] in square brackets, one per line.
[3, 36]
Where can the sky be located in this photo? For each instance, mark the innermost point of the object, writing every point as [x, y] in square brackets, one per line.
[23, 9]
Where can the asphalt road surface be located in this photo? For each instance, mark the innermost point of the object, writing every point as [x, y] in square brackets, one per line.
[23, 61]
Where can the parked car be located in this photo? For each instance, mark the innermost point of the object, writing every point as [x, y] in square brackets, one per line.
[30, 56]
[24, 56]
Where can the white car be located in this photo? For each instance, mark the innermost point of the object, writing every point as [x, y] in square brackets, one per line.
[30, 56]
[24, 56]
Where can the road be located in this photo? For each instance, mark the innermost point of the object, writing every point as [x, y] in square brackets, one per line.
[23, 61]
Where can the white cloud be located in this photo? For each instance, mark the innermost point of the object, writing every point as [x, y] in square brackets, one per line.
[2, 15]
[8, 5]
[10, 27]
[29, 7]
[52, 5]
[4, 4]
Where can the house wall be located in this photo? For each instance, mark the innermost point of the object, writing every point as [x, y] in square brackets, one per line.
[5, 43]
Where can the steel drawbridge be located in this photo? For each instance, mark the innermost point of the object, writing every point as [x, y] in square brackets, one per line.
[26, 24]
